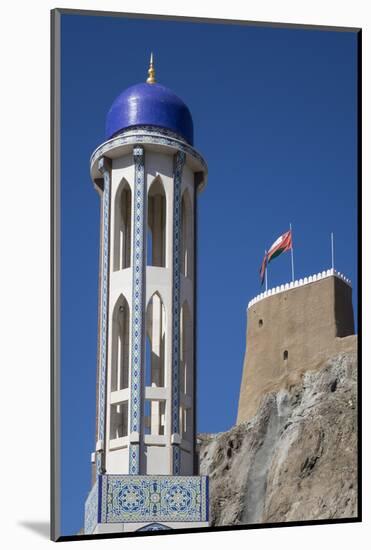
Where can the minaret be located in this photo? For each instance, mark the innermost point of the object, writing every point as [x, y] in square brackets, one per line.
[148, 176]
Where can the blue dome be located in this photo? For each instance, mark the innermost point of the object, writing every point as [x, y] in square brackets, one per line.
[149, 104]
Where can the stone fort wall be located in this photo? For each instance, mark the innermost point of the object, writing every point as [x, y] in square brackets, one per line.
[291, 329]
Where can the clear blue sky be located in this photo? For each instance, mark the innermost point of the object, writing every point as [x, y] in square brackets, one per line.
[274, 115]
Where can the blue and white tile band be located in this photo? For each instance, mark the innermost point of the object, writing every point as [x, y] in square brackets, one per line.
[179, 161]
[91, 510]
[137, 327]
[104, 168]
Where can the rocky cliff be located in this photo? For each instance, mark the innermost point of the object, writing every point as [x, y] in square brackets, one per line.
[296, 459]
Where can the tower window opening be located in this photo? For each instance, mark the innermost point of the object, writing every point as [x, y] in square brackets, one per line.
[119, 420]
[122, 229]
[155, 343]
[156, 233]
[120, 346]
[186, 242]
[260, 322]
[154, 417]
[285, 355]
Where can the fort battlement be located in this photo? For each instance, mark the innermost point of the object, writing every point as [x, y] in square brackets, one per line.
[299, 282]
[293, 328]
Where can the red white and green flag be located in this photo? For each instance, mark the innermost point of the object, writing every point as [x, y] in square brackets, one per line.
[280, 245]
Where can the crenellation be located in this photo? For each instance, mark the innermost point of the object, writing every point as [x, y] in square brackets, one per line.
[299, 282]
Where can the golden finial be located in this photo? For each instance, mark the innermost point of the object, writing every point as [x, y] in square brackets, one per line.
[151, 71]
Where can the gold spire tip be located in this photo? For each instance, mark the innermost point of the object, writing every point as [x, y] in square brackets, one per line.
[151, 71]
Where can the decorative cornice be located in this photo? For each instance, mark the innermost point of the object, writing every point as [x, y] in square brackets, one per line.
[147, 134]
[140, 128]
[298, 283]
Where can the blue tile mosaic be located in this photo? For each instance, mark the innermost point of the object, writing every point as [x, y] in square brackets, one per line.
[153, 498]
[137, 337]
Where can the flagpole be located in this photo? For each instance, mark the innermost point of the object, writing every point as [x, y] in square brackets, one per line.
[332, 250]
[292, 257]
[266, 273]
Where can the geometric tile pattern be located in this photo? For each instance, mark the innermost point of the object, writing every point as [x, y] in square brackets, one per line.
[104, 169]
[153, 498]
[179, 161]
[137, 336]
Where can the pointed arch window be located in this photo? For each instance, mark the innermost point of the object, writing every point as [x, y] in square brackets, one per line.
[122, 227]
[154, 409]
[155, 342]
[119, 373]
[156, 234]
[120, 346]
[186, 256]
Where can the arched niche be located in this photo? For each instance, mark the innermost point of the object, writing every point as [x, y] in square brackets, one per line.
[186, 241]
[156, 230]
[122, 227]
[120, 345]
[155, 373]
[155, 342]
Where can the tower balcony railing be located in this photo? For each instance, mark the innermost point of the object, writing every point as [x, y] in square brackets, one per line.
[119, 443]
[120, 396]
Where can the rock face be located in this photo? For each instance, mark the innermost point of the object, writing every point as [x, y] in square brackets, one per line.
[296, 459]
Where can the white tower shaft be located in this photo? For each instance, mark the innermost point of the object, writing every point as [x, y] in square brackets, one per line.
[146, 383]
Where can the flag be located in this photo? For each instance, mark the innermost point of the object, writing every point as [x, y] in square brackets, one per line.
[263, 268]
[282, 244]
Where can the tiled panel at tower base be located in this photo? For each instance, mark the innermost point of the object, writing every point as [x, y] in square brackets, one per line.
[127, 499]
